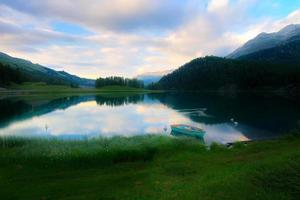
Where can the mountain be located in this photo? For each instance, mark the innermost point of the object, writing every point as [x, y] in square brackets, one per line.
[268, 40]
[36, 72]
[267, 62]
[152, 77]
[83, 82]
[222, 74]
[285, 54]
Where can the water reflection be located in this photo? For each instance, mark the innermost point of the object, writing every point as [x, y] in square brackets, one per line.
[89, 119]
[187, 136]
[17, 109]
[119, 101]
[224, 119]
[257, 116]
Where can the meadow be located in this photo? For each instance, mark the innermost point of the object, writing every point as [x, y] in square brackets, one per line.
[40, 88]
[148, 167]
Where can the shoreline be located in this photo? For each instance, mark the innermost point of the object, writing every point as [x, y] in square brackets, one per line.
[44, 89]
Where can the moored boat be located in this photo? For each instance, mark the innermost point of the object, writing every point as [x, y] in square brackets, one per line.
[187, 130]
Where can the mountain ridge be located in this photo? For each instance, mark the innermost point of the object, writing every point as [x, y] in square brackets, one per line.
[267, 40]
[286, 53]
[276, 68]
[37, 72]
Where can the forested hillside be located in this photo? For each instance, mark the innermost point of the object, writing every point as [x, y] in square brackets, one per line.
[38, 73]
[265, 41]
[9, 75]
[273, 63]
[285, 54]
[214, 73]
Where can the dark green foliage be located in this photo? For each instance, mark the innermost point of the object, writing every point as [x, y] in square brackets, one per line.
[9, 75]
[270, 69]
[285, 54]
[120, 81]
[214, 73]
[119, 101]
[38, 73]
[48, 76]
[153, 86]
[74, 85]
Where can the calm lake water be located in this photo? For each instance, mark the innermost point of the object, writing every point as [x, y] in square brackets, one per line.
[225, 119]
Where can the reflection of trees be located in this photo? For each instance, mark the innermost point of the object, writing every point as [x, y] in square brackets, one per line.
[10, 109]
[17, 109]
[119, 101]
[20, 109]
[268, 112]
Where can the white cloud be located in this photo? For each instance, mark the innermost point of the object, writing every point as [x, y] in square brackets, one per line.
[266, 25]
[217, 5]
[129, 36]
[122, 15]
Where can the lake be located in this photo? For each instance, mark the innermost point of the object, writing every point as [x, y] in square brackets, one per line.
[224, 118]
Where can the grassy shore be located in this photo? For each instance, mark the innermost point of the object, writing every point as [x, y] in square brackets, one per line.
[44, 89]
[148, 167]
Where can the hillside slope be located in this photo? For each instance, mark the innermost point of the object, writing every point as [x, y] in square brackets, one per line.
[285, 54]
[36, 72]
[268, 62]
[214, 73]
[268, 40]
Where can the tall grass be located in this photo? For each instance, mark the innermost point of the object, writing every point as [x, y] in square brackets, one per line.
[92, 151]
[148, 167]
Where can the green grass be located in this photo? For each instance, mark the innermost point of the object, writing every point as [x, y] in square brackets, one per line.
[148, 167]
[120, 88]
[45, 89]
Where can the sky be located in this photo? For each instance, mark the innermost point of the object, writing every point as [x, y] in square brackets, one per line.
[93, 38]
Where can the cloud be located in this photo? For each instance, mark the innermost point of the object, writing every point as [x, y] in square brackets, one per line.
[121, 15]
[217, 5]
[266, 25]
[127, 37]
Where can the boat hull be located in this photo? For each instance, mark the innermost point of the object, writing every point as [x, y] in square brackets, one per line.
[187, 131]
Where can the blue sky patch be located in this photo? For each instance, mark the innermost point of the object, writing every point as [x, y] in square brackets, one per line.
[69, 28]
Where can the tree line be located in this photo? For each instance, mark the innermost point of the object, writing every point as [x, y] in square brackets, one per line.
[10, 75]
[120, 81]
[214, 73]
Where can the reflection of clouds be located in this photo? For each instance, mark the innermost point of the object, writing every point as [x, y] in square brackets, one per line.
[222, 133]
[117, 122]
[160, 114]
[154, 130]
[88, 104]
[88, 119]
[140, 109]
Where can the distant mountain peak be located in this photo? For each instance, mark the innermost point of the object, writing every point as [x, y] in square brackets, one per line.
[152, 77]
[262, 34]
[156, 73]
[290, 28]
[267, 40]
